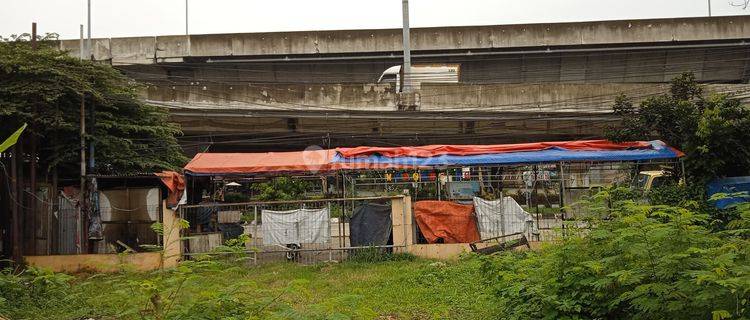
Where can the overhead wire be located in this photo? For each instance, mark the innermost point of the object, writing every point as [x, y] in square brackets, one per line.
[494, 108]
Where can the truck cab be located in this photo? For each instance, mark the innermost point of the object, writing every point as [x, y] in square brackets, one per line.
[646, 180]
[421, 73]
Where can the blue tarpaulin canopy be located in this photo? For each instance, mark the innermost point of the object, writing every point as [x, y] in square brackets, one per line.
[658, 150]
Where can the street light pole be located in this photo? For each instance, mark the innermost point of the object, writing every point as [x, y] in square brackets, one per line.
[82, 192]
[88, 25]
[92, 161]
[186, 18]
[709, 8]
[407, 48]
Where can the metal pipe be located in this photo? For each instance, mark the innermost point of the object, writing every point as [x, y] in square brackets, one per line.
[80, 43]
[88, 41]
[295, 250]
[407, 47]
[330, 234]
[255, 235]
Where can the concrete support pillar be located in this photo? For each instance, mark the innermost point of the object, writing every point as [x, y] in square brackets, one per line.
[171, 237]
[403, 224]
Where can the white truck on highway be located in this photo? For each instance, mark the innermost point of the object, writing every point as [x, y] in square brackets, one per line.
[422, 73]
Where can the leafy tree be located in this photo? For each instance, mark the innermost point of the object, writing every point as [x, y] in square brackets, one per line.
[130, 136]
[713, 131]
[281, 188]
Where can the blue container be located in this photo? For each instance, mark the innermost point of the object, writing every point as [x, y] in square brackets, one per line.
[730, 186]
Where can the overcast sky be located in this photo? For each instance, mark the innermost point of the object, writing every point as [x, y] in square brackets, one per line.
[120, 18]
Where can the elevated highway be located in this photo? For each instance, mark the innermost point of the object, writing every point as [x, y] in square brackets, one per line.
[286, 90]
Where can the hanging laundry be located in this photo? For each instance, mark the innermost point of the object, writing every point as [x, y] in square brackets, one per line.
[389, 177]
[415, 177]
[466, 173]
[501, 217]
[295, 226]
[371, 225]
[432, 176]
[175, 184]
[443, 178]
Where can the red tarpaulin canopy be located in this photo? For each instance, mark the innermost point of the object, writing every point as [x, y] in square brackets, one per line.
[254, 163]
[313, 161]
[465, 150]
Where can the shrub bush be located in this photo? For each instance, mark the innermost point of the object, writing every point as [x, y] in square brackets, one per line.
[32, 289]
[642, 262]
[373, 254]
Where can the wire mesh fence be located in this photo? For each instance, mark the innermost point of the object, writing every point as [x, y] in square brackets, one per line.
[304, 231]
[536, 203]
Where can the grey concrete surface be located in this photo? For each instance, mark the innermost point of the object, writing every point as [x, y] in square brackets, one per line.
[523, 36]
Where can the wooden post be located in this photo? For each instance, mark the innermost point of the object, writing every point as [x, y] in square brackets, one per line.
[15, 228]
[32, 216]
[82, 196]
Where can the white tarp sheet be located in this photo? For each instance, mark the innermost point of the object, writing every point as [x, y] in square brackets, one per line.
[295, 226]
[130, 204]
[501, 217]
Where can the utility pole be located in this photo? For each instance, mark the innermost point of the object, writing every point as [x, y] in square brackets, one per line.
[92, 162]
[82, 192]
[187, 30]
[80, 44]
[32, 153]
[88, 25]
[407, 48]
[15, 206]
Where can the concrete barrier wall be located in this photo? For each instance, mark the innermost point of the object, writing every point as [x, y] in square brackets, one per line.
[97, 262]
[142, 261]
[169, 48]
[500, 98]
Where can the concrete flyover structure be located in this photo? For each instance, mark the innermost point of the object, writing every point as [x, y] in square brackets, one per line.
[285, 90]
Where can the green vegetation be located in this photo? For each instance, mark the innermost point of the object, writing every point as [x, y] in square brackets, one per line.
[281, 188]
[641, 262]
[397, 289]
[44, 89]
[670, 256]
[713, 131]
[634, 260]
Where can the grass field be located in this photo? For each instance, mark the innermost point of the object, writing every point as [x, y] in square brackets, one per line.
[403, 289]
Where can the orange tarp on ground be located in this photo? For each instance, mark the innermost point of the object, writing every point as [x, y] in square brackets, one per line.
[297, 161]
[452, 222]
[465, 150]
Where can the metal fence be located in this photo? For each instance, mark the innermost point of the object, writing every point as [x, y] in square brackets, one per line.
[305, 231]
